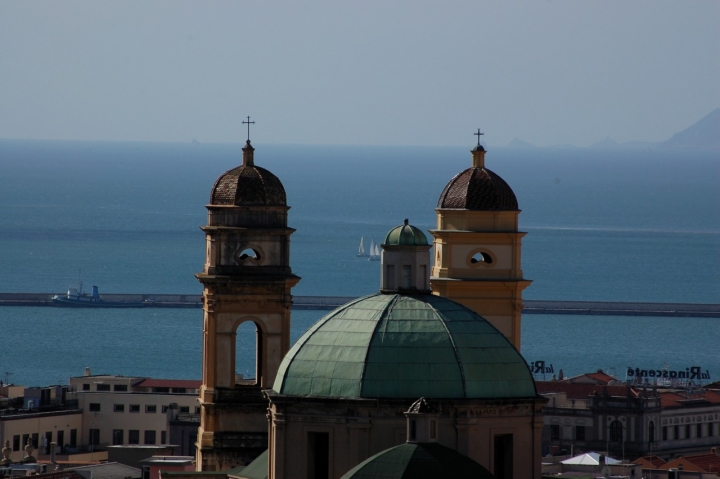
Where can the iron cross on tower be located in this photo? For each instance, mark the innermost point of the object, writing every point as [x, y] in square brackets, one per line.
[248, 123]
[478, 134]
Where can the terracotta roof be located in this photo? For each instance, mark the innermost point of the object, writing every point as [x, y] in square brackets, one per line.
[581, 390]
[248, 185]
[676, 399]
[704, 462]
[598, 377]
[478, 189]
[653, 461]
[602, 376]
[170, 383]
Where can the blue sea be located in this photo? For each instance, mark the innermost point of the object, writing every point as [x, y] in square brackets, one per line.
[606, 225]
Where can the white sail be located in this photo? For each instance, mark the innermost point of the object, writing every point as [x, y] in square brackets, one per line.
[361, 250]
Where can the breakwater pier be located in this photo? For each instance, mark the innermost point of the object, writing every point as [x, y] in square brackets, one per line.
[598, 308]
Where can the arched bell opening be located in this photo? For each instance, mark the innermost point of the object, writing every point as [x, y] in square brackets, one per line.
[249, 255]
[248, 354]
[481, 258]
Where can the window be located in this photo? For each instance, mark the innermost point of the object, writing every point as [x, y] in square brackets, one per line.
[134, 408]
[149, 437]
[165, 408]
[161, 390]
[406, 276]
[151, 408]
[616, 431]
[665, 433]
[185, 409]
[133, 436]
[554, 431]
[413, 429]
[25, 439]
[86, 387]
[698, 430]
[73, 437]
[61, 441]
[197, 409]
[35, 437]
[95, 406]
[687, 431]
[503, 455]
[676, 432]
[163, 437]
[580, 433]
[118, 437]
[119, 408]
[47, 441]
[16, 442]
[120, 387]
[651, 432]
[390, 275]
[179, 390]
[102, 387]
[94, 437]
[318, 458]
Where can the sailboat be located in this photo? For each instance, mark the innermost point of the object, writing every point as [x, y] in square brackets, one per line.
[374, 251]
[361, 250]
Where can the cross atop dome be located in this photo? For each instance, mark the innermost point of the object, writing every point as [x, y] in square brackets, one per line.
[479, 134]
[248, 123]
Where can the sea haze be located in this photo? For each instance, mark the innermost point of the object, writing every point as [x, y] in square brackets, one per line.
[611, 225]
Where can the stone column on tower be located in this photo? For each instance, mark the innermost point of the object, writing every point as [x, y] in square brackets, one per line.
[246, 278]
[477, 246]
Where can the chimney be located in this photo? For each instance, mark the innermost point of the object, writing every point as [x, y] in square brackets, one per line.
[53, 445]
[87, 372]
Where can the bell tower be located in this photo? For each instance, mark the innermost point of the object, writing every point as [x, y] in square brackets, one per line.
[477, 244]
[246, 278]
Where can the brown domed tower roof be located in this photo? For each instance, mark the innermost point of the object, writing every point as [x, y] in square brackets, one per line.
[248, 185]
[478, 188]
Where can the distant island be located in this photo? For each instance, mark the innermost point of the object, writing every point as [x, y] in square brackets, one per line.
[702, 135]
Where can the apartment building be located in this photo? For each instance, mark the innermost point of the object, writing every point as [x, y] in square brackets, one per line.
[120, 410]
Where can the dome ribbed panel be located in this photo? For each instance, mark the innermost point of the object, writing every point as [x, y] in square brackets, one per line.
[478, 189]
[248, 186]
[403, 346]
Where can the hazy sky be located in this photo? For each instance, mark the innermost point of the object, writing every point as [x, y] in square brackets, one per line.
[357, 72]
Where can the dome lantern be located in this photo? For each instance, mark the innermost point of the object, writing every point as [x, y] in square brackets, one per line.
[405, 261]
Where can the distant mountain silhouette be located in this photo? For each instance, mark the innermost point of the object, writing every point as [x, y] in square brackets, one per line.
[518, 143]
[606, 143]
[705, 134]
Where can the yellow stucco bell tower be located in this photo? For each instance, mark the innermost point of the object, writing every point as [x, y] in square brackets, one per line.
[477, 246]
[246, 278]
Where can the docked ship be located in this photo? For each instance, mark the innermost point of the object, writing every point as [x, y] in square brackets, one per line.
[76, 297]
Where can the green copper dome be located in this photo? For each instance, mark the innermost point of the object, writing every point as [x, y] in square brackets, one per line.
[397, 346]
[418, 461]
[405, 235]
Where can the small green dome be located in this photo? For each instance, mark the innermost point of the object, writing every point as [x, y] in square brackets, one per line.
[397, 346]
[406, 235]
[418, 461]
